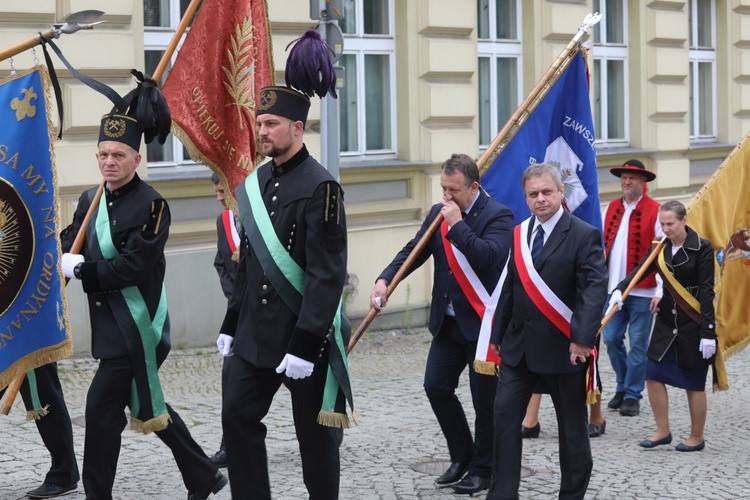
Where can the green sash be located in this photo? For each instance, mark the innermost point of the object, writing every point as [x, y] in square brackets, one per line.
[288, 278]
[143, 335]
[37, 411]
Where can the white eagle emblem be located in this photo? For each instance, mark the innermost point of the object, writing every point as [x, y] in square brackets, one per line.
[560, 154]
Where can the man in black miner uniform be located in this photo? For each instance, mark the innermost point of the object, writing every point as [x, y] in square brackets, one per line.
[298, 210]
[121, 268]
[43, 397]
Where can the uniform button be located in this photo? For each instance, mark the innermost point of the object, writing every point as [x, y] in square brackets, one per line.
[289, 247]
[674, 311]
[110, 203]
[710, 326]
[450, 272]
[290, 241]
[674, 331]
[271, 214]
[273, 199]
[98, 304]
[264, 302]
[264, 287]
[294, 226]
[276, 185]
[445, 295]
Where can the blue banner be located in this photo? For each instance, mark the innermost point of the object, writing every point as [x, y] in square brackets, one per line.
[560, 131]
[33, 312]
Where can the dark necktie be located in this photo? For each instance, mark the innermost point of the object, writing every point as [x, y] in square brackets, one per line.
[536, 247]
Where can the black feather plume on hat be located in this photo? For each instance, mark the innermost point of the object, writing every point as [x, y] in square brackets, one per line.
[148, 106]
[309, 68]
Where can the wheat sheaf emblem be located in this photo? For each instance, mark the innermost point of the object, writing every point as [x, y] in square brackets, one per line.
[240, 72]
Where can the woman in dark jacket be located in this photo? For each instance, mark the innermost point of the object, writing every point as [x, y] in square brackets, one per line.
[683, 342]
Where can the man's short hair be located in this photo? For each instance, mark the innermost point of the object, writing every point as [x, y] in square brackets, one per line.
[536, 169]
[215, 178]
[465, 164]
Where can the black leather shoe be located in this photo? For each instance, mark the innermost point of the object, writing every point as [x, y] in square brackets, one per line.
[630, 408]
[597, 430]
[48, 490]
[215, 486]
[616, 401]
[471, 484]
[220, 458]
[455, 472]
[530, 432]
[684, 447]
[647, 443]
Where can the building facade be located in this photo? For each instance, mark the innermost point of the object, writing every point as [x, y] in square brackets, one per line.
[670, 85]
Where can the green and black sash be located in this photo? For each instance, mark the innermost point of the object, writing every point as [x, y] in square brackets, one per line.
[144, 336]
[288, 278]
[37, 411]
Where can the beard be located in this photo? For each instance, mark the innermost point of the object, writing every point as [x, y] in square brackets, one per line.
[273, 151]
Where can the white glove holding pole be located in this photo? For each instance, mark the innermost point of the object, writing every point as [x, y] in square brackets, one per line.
[69, 263]
[615, 300]
[295, 367]
[224, 343]
[707, 348]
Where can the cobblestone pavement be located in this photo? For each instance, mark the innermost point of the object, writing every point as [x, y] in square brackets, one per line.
[398, 438]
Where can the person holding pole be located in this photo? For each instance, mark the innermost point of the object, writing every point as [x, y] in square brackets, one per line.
[45, 404]
[121, 268]
[469, 252]
[684, 342]
[546, 320]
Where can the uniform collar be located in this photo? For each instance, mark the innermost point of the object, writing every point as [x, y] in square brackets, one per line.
[118, 193]
[290, 164]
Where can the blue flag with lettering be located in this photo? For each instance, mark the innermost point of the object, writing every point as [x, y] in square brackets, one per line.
[33, 312]
[560, 131]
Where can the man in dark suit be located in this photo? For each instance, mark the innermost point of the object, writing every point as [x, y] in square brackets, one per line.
[544, 329]
[483, 237]
[225, 263]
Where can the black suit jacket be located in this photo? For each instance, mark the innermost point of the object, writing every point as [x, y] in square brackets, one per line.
[225, 266]
[484, 237]
[572, 265]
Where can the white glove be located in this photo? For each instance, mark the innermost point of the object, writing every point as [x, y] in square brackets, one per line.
[295, 367]
[708, 348]
[69, 262]
[615, 300]
[224, 343]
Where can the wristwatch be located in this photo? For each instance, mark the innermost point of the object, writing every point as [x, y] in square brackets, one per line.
[77, 270]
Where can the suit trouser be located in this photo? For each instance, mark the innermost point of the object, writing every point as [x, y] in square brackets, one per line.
[107, 398]
[450, 353]
[568, 393]
[249, 395]
[55, 428]
[224, 381]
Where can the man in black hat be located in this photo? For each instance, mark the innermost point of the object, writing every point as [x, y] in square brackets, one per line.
[630, 225]
[122, 268]
[284, 323]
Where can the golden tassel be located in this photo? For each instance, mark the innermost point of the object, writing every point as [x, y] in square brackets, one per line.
[37, 414]
[721, 383]
[158, 423]
[485, 367]
[333, 419]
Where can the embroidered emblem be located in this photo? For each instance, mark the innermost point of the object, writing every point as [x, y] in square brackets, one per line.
[267, 100]
[24, 108]
[114, 127]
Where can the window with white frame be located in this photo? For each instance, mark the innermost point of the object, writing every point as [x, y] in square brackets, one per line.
[160, 20]
[702, 55]
[499, 68]
[367, 103]
[610, 75]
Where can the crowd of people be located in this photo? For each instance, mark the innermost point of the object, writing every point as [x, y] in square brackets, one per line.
[518, 305]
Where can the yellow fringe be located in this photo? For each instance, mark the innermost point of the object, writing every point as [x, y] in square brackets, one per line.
[333, 419]
[37, 414]
[485, 367]
[158, 423]
[721, 383]
[591, 396]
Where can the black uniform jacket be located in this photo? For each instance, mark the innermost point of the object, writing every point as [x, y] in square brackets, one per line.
[139, 222]
[484, 237]
[571, 263]
[693, 267]
[306, 209]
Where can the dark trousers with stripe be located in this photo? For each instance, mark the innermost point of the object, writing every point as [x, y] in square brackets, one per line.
[249, 394]
[55, 428]
[107, 398]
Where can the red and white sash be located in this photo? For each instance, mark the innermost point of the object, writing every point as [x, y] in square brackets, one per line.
[230, 231]
[540, 294]
[548, 303]
[483, 303]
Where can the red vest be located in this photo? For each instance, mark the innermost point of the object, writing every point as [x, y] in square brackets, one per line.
[640, 232]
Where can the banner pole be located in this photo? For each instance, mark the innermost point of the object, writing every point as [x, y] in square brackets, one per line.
[495, 148]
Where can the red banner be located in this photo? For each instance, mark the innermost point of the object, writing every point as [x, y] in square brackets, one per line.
[213, 87]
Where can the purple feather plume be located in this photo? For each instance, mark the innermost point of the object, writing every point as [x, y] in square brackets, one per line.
[309, 68]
